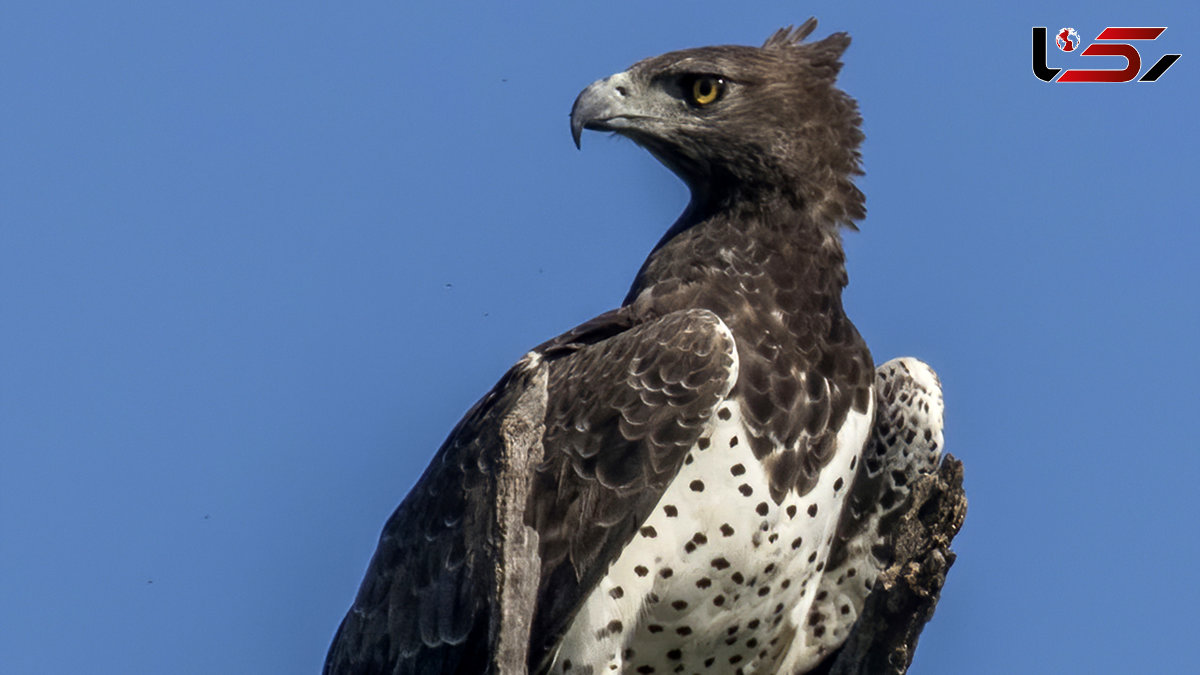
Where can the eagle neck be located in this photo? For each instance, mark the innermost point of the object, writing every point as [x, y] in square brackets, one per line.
[770, 251]
[775, 277]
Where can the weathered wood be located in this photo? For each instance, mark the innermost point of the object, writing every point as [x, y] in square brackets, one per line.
[518, 566]
[885, 637]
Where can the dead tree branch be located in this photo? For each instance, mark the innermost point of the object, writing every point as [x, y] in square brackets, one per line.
[517, 563]
[885, 637]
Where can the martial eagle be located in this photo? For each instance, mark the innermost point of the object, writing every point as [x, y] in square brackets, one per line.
[720, 453]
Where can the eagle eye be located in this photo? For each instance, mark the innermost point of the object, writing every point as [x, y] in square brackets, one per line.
[704, 89]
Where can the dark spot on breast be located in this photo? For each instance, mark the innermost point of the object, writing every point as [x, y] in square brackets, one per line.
[724, 413]
[703, 582]
[719, 600]
[737, 469]
[614, 626]
[671, 511]
[703, 443]
[726, 530]
[642, 571]
[696, 486]
[675, 654]
[654, 628]
[617, 593]
[666, 572]
[797, 542]
[720, 563]
[737, 578]
[762, 508]
[812, 510]
[791, 511]
[683, 630]
[745, 489]
[733, 441]
[649, 532]
[837, 485]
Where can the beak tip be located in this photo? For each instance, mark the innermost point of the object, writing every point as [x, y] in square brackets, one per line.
[577, 124]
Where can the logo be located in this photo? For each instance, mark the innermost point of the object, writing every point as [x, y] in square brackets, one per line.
[1067, 39]
[1112, 41]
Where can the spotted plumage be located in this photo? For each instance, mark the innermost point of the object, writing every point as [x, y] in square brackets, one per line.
[729, 557]
[719, 453]
[906, 443]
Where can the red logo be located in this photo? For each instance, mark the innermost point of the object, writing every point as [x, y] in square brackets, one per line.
[1115, 44]
[1067, 39]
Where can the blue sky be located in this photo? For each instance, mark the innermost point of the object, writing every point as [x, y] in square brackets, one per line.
[257, 258]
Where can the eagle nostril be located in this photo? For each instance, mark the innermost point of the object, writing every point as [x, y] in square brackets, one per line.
[622, 91]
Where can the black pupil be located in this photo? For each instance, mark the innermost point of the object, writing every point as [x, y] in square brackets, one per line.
[705, 88]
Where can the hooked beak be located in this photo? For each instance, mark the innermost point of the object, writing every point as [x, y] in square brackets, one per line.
[603, 106]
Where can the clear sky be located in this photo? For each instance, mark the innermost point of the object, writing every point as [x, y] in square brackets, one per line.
[256, 259]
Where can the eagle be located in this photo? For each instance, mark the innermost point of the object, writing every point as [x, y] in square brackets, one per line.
[719, 454]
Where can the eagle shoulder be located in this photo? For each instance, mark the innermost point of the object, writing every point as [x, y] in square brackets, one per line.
[625, 400]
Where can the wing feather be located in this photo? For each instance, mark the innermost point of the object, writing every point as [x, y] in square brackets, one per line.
[625, 402]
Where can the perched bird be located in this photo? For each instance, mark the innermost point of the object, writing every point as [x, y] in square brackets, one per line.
[720, 456]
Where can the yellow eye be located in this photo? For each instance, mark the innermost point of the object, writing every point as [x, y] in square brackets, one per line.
[706, 89]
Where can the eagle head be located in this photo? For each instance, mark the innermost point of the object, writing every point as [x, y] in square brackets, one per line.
[737, 122]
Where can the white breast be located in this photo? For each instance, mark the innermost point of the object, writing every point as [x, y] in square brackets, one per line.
[719, 576]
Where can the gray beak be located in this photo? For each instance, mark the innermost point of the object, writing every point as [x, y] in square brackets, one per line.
[602, 106]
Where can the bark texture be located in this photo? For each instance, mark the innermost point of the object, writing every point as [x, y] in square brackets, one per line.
[884, 639]
[518, 567]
